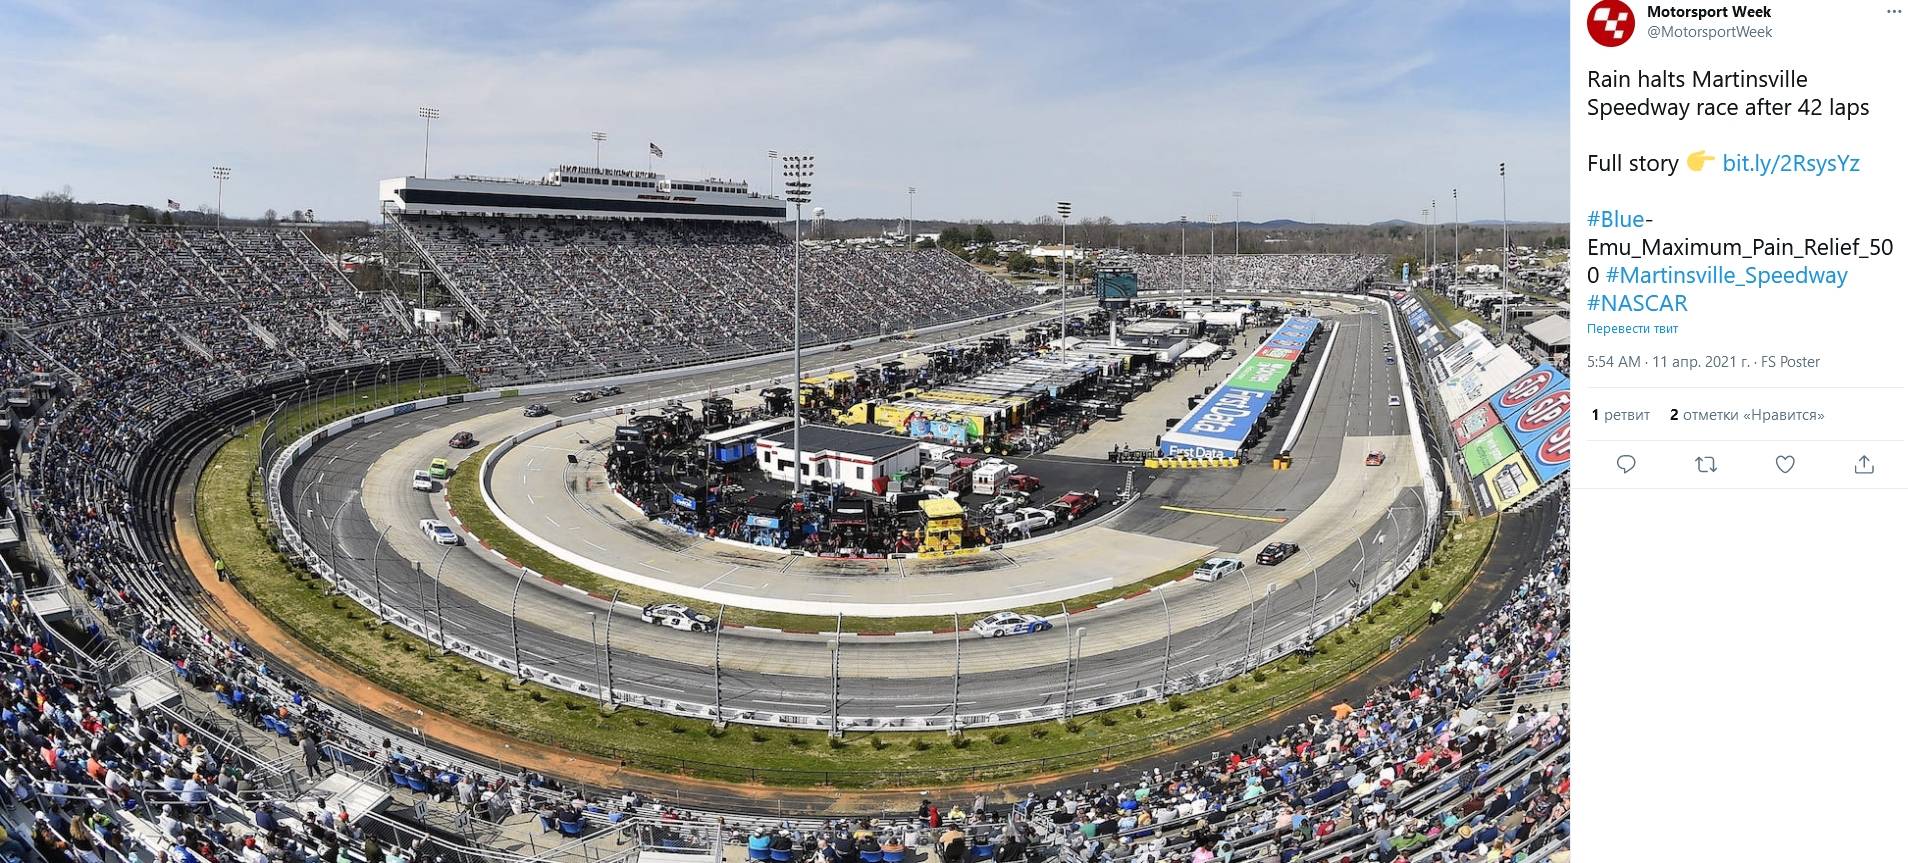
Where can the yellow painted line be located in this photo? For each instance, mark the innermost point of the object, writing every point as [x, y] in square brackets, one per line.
[1271, 518]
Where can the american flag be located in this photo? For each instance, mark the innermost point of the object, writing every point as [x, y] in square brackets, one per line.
[172, 204]
[655, 150]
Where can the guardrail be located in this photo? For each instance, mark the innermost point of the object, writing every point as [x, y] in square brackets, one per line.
[1392, 574]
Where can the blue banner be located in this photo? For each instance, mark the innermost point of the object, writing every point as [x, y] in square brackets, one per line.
[1550, 455]
[1218, 427]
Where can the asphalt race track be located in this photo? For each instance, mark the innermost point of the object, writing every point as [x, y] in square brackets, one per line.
[1123, 646]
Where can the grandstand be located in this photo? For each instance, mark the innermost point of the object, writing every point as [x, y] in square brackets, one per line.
[557, 298]
[1298, 272]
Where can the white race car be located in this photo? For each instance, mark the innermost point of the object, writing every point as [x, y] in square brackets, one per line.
[421, 481]
[438, 532]
[1009, 623]
[676, 616]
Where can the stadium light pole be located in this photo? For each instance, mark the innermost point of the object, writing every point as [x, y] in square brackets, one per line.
[1456, 255]
[1425, 214]
[796, 171]
[599, 138]
[221, 174]
[437, 601]
[954, 714]
[1065, 209]
[1075, 641]
[775, 161]
[1236, 195]
[1432, 268]
[910, 215]
[516, 647]
[609, 666]
[1503, 221]
[721, 611]
[429, 114]
[1182, 255]
[1212, 255]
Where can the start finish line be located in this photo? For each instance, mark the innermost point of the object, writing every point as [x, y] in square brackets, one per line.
[1218, 427]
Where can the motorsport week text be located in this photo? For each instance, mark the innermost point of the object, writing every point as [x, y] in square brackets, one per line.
[1706, 79]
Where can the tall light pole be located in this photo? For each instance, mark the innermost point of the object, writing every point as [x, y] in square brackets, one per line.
[1425, 214]
[1236, 195]
[1065, 209]
[221, 174]
[910, 215]
[1457, 256]
[1182, 254]
[1212, 254]
[1432, 268]
[775, 161]
[599, 137]
[429, 114]
[796, 171]
[1503, 220]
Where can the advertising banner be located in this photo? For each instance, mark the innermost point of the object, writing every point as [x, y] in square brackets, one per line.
[1260, 373]
[1540, 415]
[1550, 455]
[1218, 427]
[1518, 393]
[1490, 448]
[1509, 481]
[1286, 354]
[1473, 423]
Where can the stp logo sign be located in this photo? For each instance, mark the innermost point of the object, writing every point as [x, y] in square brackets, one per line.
[1526, 388]
[1556, 448]
[1547, 410]
[1611, 23]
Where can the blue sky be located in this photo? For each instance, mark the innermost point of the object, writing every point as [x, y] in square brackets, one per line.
[1329, 111]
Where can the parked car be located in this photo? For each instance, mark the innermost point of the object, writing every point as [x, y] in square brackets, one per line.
[421, 481]
[1074, 504]
[1215, 568]
[1009, 623]
[463, 440]
[438, 532]
[1022, 482]
[440, 468]
[1393, 401]
[676, 616]
[1374, 459]
[584, 397]
[1003, 504]
[1275, 553]
[536, 410]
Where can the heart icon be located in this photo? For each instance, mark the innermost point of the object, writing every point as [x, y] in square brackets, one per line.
[1785, 463]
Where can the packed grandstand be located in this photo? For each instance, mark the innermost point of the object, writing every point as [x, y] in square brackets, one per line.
[124, 333]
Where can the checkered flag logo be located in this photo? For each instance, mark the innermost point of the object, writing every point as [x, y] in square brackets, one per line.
[1611, 23]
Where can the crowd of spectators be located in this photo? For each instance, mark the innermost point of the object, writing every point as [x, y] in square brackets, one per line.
[1201, 273]
[559, 298]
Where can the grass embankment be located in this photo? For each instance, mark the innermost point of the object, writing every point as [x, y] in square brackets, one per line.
[464, 492]
[300, 417]
[233, 525]
[1447, 312]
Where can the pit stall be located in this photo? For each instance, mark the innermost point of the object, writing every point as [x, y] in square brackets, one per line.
[983, 408]
[1219, 425]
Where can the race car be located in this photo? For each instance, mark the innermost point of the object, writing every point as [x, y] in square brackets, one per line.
[463, 440]
[1009, 623]
[584, 397]
[438, 532]
[1215, 568]
[1374, 458]
[1276, 552]
[421, 481]
[676, 616]
[536, 410]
